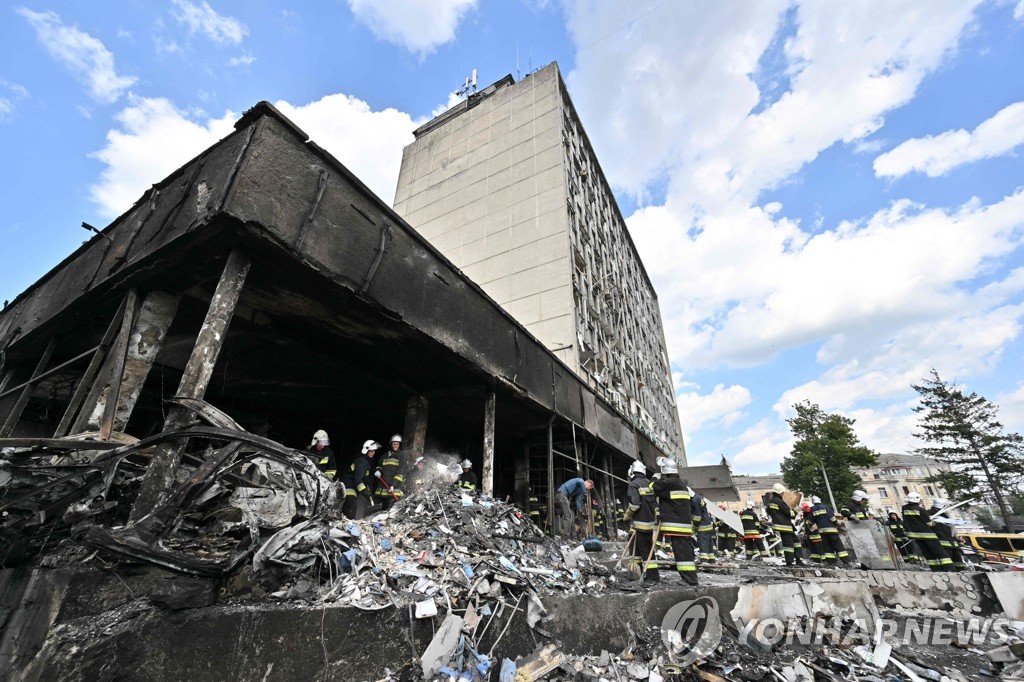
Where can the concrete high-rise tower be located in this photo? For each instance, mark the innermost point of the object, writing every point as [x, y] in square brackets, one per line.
[507, 186]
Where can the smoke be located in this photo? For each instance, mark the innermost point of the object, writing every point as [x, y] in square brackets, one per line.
[441, 468]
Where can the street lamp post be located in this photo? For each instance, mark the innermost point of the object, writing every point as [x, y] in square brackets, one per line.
[828, 486]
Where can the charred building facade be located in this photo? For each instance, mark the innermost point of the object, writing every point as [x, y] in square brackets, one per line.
[266, 278]
[507, 185]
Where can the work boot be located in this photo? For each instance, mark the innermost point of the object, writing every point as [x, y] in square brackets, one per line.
[689, 579]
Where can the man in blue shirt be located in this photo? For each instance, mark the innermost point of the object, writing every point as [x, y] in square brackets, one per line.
[574, 489]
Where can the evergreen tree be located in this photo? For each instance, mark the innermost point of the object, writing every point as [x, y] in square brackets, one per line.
[824, 440]
[962, 430]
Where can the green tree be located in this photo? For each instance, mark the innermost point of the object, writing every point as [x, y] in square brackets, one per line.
[962, 429]
[827, 440]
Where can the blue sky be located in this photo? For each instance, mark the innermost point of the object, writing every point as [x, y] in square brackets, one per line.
[829, 198]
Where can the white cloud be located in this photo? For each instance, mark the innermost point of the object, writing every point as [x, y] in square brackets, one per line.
[936, 155]
[419, 27]
[1018, 11]
[723, 405]
[10, 93]
[201, 18]
[154, 138]
[243, 60]
[83, 55]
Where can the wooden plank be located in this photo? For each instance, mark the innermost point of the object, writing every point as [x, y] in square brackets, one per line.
[26, 393]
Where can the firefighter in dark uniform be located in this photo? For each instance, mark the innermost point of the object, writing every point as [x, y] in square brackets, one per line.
[832, 548]
[642, 514]
[899, 536]
[598, 515]
[321, 452]
[752, 542]
[676, 518]
[705, 528]
[782, 521]
[392, 473]
[468, 481]
[812, 537]
[417, 477]
[726, 536]
[855, 509]
[920, 529]
[946, 536]
[363, 480]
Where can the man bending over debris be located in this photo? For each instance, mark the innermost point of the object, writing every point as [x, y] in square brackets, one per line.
[467, 480]
[676, 517]
[322, 452]
[573, 490]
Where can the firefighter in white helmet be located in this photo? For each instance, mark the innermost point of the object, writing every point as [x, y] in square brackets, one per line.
[642, 514]
[363, 480]
[321, 451]
[673, 498]
[468, 481]
[392, 474]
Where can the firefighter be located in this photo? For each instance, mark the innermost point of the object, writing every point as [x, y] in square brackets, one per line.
[642, 514]
[363, 479]
[392, 473]
[899, 536]
[418, 474]
[676, 518]
[726, 536]
[782, 521]
[598, 515]
[705, 527]
[856, 509]
[947, 538]
[920, 529]
[832, 548]
[752, 541]
[323, 454]
[536, 510]
[467, 481]
[811, 534]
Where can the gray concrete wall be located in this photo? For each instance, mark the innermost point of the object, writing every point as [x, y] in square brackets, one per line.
[487, 188]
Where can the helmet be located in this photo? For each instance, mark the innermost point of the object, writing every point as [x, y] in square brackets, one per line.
[805, 505]
[860, 495]
[466, 464]
[914, 497]
[940, 502]
[779, 488]
[637, 468]
[750, 504]
[815, 499]
[370, 445]
[668, 466]
[397, 438]
[656, 476]
[419, 460]
[320, 437]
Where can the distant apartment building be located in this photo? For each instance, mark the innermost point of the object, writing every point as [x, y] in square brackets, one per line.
[895, 476]
[887, 484]
[507, 186]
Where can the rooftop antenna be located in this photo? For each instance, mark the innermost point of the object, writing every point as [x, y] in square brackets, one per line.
[469, 86]
[518, 77]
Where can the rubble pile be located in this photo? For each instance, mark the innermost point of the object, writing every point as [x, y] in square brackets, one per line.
[436, 548]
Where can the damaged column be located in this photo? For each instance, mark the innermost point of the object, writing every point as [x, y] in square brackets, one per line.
[209, 342]
[488, 469]
[112, 400]
[416, 412]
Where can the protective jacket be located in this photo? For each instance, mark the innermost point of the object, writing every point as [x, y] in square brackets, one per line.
[392, 470]
[468, 481]
[854, 510]
[918, 522]
[780, 514]
[642, 505]
[824, 518]
[673, 505]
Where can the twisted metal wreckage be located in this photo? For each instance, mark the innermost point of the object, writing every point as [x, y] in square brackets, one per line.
[90, 482]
